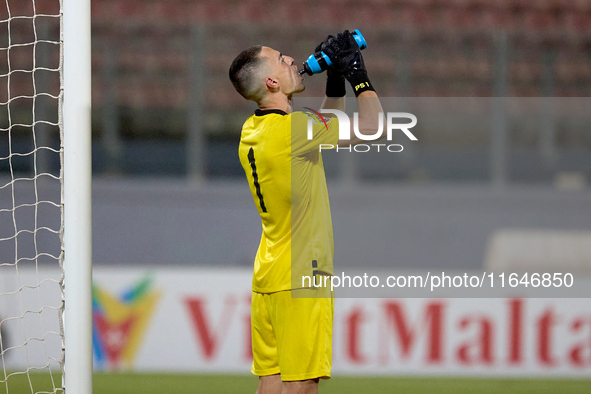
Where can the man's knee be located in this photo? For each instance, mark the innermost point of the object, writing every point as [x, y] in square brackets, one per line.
[269, 384]
[309, 386]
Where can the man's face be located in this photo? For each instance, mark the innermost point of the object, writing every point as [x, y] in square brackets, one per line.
[284, 70]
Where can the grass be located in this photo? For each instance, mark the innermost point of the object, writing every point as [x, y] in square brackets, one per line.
[128, 383]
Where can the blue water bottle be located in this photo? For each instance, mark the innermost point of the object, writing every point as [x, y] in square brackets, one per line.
[319, 61]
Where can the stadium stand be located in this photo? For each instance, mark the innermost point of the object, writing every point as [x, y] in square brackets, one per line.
[419, 48]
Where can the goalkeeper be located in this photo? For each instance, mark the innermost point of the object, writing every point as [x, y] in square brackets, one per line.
[291, 336]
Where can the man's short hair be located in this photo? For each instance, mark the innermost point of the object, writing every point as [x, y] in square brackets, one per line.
[244, 72]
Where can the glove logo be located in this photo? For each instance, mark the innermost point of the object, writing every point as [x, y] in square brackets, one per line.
[362, 85]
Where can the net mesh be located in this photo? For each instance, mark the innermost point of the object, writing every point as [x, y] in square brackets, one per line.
[31, 214]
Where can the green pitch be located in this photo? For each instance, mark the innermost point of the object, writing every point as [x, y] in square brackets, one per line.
[127, 383]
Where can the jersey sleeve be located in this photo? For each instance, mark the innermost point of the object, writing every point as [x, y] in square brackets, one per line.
[309, 130]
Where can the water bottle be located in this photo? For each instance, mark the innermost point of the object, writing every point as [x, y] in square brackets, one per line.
[319, 61]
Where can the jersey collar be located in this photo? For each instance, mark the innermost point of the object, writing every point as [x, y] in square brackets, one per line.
[259, 112]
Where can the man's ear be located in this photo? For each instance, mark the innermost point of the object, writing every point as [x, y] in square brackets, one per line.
[271, 83]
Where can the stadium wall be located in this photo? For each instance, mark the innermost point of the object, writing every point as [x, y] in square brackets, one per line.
[170, 223]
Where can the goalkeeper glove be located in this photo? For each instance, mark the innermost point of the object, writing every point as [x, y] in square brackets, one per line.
[357, 75]
[335, 82]
[347, 60]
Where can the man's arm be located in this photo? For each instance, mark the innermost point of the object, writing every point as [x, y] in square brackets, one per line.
[370, 110]
[335, 84]
[348, 63]
[334, 103]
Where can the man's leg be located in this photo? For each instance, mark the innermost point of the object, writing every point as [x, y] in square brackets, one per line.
[265, 363]
[272, 385]
[269, 384]
[303, 327]
[300, 387]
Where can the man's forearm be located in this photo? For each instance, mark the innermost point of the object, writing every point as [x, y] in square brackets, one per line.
[334, 103]
[369, 112]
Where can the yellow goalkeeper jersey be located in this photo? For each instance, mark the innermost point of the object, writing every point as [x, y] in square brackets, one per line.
[286, 177]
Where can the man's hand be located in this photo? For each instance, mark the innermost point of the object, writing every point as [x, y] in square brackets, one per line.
[335, 82]
[342, 52]
[325, 42]
[347, 60]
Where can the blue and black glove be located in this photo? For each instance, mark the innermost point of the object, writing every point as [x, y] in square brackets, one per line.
[347, 61]
[335, 81]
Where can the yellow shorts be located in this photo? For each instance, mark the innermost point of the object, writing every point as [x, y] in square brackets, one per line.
[291, 336]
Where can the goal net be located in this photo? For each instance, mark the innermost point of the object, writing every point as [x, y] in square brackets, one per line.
[31, 208]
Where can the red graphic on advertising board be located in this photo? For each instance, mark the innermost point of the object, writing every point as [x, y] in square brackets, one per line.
[115, 336]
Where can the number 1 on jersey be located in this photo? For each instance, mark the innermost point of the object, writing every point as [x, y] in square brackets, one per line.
[256, 179]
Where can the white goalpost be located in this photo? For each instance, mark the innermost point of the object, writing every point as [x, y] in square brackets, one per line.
[45, 197]
[77, 172]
